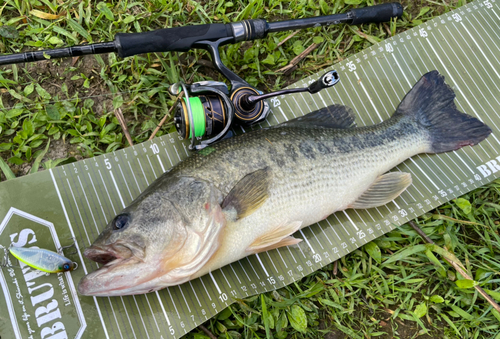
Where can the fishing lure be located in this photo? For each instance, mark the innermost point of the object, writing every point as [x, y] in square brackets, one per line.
[43, 260]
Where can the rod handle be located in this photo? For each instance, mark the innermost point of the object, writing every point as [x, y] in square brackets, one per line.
[169, 39]
[378, 13]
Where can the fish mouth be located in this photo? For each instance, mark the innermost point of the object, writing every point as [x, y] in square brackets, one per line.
[123, 267]
[101, 256]
[113, 253]
[114, 278]
[123, 273]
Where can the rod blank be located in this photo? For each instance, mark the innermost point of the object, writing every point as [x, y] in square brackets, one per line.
[99, 48]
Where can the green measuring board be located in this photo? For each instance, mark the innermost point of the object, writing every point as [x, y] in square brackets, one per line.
[77, 200]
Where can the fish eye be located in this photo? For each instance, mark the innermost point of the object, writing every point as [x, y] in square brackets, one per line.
[66, 267]
[120, 221]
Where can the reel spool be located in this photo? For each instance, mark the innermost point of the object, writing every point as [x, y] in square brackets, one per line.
[209, 116]
[204, 111]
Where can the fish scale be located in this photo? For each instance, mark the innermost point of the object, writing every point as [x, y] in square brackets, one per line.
[222, 167]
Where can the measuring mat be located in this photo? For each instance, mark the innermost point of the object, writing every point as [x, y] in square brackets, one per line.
[49, 208]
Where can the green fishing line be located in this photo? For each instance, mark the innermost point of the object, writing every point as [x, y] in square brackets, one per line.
[198, 117]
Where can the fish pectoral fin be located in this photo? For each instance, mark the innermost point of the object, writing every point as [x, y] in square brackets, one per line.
[386, 188]
[277, 237]
[334, 116]
[248, 194]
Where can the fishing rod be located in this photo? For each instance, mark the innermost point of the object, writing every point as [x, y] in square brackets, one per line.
[209, 108]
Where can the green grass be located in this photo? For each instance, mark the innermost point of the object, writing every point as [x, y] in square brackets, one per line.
[72, 101]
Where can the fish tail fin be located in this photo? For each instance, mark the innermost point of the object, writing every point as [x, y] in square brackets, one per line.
[430, 103]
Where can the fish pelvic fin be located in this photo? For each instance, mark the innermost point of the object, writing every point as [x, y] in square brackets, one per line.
[430, 103]
[248, 194]
[334, 116]
[277, 237]
[386, 188]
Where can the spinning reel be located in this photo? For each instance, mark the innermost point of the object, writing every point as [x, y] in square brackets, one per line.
[210, 108]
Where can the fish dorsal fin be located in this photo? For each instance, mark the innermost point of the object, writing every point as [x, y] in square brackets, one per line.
[334, 116]
[248, 194]
[277, 237]
[386, 188]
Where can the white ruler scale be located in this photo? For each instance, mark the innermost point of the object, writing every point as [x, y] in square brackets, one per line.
[464, 45]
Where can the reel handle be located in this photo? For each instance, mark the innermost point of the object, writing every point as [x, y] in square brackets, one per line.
[328, 79]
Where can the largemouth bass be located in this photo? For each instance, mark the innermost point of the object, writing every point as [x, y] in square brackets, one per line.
[250, 193]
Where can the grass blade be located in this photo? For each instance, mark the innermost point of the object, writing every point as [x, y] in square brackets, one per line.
[406, 253]
[6, 170]
[265, 317]
[39, 158]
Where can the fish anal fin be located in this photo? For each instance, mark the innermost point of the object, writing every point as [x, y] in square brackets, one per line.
[248, 194]
[334, 116]
[288, 241]
[277, 237]
[386, 188]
